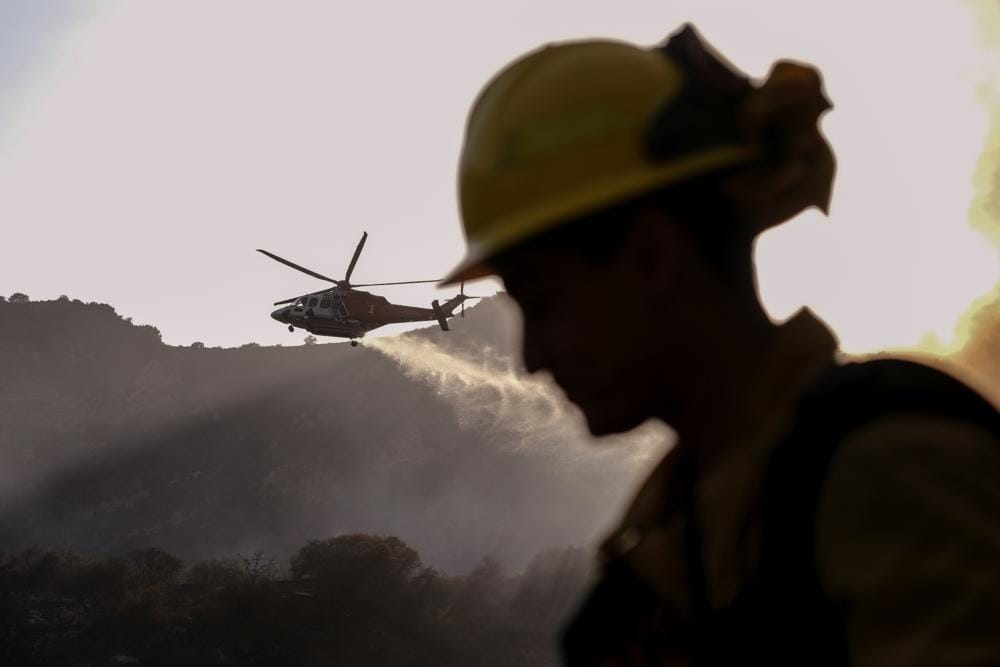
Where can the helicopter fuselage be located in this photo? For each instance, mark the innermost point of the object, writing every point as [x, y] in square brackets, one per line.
[351, 313]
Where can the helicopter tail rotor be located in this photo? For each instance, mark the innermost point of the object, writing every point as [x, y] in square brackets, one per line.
[439, 313]
[448, 307]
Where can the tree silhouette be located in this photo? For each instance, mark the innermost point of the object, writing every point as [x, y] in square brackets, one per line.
[150, 567]
[256, 568]
[375, 558]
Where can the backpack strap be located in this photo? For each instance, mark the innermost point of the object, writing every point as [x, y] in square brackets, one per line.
[785, 615]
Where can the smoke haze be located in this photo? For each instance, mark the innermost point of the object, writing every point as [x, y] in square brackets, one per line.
[115, 441]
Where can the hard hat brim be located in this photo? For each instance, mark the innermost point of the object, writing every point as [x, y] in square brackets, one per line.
[520, 229]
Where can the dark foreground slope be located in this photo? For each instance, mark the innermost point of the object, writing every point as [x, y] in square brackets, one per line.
[113, 441]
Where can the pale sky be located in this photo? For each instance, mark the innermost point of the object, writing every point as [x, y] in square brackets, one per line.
[147, 148]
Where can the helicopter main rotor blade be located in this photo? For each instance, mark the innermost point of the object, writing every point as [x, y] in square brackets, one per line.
[295, 266]
[354, 260]
[404, 282]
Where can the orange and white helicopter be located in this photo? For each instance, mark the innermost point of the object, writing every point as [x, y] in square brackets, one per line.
[346, 312]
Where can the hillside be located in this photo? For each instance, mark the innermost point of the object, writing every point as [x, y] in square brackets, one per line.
[114, 441]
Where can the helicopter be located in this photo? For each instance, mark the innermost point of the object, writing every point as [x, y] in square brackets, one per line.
[345, 312]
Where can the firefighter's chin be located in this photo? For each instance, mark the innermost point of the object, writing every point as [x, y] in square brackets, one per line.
[606, 416]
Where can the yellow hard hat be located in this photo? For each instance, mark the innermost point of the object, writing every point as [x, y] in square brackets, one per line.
[561, 133]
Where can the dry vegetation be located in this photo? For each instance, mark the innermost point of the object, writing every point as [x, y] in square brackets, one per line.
[349, 600]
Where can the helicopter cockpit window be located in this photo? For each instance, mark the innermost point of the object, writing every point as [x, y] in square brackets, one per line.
[324, 302]
[312, 302]
[299, 303]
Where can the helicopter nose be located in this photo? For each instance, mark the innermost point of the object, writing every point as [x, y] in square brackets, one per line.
[281, 315]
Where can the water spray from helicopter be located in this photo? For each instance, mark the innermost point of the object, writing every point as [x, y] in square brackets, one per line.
[491, 390]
